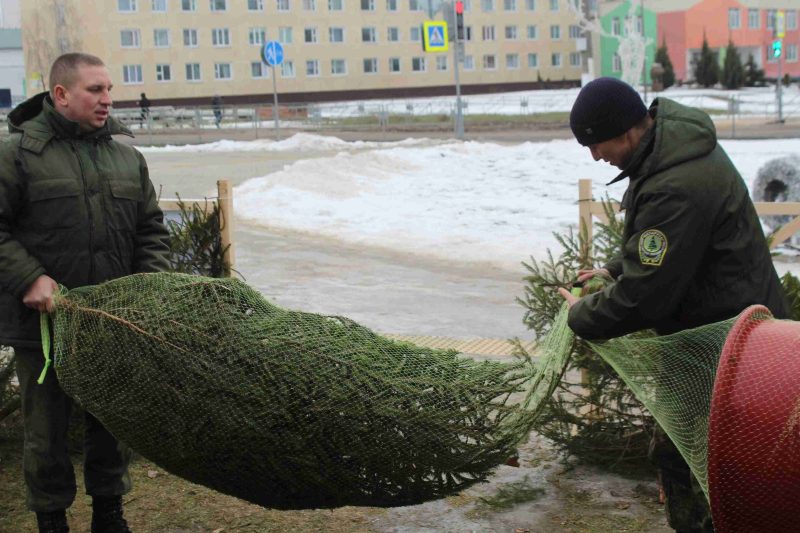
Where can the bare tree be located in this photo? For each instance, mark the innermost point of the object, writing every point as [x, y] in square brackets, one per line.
[51, 28]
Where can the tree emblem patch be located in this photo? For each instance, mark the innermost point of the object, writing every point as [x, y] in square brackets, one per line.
[652, 247]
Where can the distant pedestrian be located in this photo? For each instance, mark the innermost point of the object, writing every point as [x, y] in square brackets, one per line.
[144, 105]
[216, 105]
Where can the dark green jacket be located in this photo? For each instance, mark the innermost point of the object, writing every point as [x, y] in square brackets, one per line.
[78, 207]
[694, 251]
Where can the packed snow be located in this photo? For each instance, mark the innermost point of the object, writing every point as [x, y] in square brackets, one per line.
[462, 201]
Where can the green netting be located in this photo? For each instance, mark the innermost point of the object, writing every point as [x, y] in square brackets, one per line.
[289, 409]
[673, 376]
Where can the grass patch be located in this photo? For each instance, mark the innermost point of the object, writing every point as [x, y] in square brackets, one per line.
[509, 495]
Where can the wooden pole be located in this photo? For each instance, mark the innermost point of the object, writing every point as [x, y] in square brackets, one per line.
[225, 196]
[585, 219]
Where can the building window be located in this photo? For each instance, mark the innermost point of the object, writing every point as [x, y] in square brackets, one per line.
[791, 19]
[368, 35]
[415, 34]
[616, 63]
[733, 18]
[555, 59]
[163, 73]
[418, 64]
[336, 35]
[532, 34]
[161, 38]
[753, 20]
[511, 33]
[468, 34]
[130, 39]
[489, 62]
[416, 5]
[510, 5]
[131, 74]
[222, 71]
[287, 69]
[487, 5]
[616, 28]
[530, 5]
[469, 63]
[283, 5]
[394, 64]
[791, 53]
[638, 29]
[310, 35]
[467, 6]
[393, 34]
[367, 5]
[257, 36]
[574, 31]
[555, 32]
[512, 61]
[189, 37]
[193, 72]
[255, 5]
[553, 5]
[488, 33]
[219, 5]
[258, 70]
[391, 5]
[335, 5]
[312, 68]
[575, 59]
[159, 6]
[533, 60]
[771, 16]
[126, 6]
[189, 5]
[441, 63]
[371, 65]
[310, 5]
[285, 34]
[220, 37]
[338, 67]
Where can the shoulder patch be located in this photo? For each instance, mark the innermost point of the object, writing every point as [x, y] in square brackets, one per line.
[652, 247]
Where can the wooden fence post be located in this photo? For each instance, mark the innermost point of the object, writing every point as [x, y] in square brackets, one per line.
[225, 198]
[585, 222]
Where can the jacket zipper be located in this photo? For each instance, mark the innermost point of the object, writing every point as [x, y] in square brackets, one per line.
[88, 213]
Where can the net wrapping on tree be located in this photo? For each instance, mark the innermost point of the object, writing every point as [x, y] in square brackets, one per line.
[289, 409]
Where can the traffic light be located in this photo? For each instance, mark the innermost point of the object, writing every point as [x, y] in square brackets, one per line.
[777, 48]
[460, 20]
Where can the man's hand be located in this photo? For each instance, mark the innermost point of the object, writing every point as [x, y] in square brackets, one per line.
[583, 275]
[568, 296]
[39, 295]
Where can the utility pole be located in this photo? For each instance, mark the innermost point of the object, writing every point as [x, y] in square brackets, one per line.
[644, 43]
[458, 38]
[777, 52]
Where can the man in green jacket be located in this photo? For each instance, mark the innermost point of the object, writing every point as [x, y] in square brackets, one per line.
[693, 248]
[76, 208]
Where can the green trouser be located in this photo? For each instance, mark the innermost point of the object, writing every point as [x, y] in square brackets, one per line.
[49, 476]
[686, 505]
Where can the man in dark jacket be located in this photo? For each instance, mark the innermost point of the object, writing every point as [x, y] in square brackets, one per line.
[693, 248]
[76, 208]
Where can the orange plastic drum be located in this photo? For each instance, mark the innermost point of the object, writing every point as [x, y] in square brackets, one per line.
[754, 431]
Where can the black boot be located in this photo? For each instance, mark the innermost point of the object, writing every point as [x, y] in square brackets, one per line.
[107, 515]
[52, 522]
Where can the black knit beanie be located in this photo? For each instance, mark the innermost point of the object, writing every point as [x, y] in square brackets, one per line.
[605, 108]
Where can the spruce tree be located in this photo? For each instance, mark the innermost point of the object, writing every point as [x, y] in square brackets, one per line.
[732, 70]
[662, 57]
[706, 67]
[753, 76]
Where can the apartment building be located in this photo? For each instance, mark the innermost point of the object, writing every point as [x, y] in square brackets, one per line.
[189, 50]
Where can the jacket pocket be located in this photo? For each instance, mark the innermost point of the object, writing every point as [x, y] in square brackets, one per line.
[126, 197]
[54, 204]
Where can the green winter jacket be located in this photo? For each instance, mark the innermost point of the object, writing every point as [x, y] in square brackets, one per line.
[78, 207]
[694, 251]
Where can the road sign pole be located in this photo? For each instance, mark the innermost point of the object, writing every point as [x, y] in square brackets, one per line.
[780, 89]
[275, 102]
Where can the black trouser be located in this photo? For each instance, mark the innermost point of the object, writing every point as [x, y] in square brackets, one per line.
[686, 504]
[49, 476]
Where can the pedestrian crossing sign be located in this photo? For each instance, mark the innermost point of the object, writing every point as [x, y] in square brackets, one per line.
[434, 36]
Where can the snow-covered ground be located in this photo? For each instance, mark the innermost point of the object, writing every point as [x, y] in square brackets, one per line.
[464, 201]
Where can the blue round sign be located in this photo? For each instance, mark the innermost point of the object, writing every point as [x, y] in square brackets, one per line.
[272, 53]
